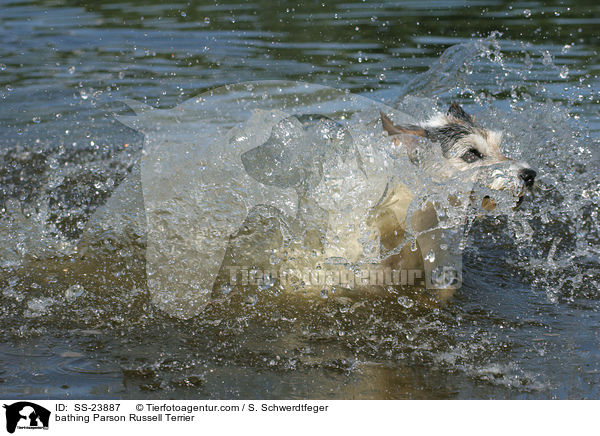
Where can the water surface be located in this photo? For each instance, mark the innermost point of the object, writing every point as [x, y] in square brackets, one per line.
[524, 325]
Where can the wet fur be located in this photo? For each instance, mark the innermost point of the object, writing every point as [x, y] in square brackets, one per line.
[464, 145]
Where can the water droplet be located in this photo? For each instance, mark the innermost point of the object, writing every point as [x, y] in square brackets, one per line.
[430, 256]
[527, 13]
[405, 302]
[564, 72]
[73, 292]
[266, 283]
[36, 120]
[226, 288]
[251, 300]
[324, 293]
[71, 69]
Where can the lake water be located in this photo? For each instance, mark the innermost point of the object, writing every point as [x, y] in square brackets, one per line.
[525, 323]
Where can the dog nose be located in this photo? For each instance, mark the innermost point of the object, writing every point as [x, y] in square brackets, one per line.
[528, 176]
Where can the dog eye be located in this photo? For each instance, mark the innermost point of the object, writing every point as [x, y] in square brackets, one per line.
[471, 155]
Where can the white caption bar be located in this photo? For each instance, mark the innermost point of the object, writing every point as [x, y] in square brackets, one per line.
[301, 417]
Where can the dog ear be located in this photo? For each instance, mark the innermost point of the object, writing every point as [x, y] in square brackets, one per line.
[457, 112]
[392, 129]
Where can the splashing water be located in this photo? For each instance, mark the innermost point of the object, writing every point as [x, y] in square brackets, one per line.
[69, 265]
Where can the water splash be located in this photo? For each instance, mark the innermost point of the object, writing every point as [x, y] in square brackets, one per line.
[541, 258]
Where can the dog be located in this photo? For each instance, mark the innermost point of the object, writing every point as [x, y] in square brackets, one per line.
[317, 204]
[468, 150]
[411, 237]
[465, 145]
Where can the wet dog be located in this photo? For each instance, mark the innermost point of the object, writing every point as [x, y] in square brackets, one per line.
[465, 145]
[299, 193]
[468, 150]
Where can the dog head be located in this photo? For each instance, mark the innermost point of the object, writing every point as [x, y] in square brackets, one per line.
[466, 148]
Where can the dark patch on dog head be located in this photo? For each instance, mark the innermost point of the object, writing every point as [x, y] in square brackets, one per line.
[471, 155]
[460, 124]
[449, 135]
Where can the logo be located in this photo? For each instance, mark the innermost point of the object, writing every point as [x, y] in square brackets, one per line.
[26, 415]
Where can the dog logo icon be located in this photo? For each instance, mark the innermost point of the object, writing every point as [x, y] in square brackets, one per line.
[26, 415]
